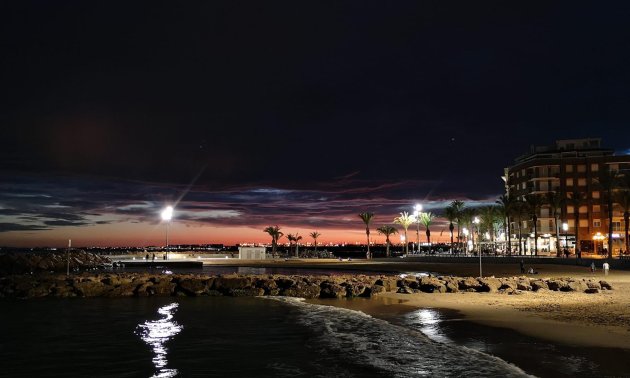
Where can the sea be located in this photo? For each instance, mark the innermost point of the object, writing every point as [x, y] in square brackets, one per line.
[272, 337]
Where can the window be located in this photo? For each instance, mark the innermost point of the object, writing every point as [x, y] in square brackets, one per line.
[616, 226]
[569, 182]
[571, 222]
[583, 209]
[581, 182]
[597, 223]
[596, 208]
[544, 213]
[569, 167]
[581, 168]
[595, 195]
[583, 222]
[570, 209]
[614, 167]
[594, 167]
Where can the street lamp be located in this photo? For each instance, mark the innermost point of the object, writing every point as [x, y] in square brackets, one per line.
[167, 215]
[476, 222]
[565, 228]
[417, 210]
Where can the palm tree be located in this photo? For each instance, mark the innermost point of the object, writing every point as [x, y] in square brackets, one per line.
[315, 235]
[274, 232]
[623, 199]
[488, 217]
[506, 204]
[534, 203]
[405, 221]
[520, 213]
[367, 218]
[297, 239]
[426, 219]
[555, 200]
[387, 230]
[608, 181]
[466, 216]
[291, 239]
[458, 207]
[576, 199]
[451, 215]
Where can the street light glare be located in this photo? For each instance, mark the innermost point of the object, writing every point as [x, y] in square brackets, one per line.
[167, 213]
[418, 208]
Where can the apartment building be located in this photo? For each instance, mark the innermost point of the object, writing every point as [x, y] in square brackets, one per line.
[567, 166]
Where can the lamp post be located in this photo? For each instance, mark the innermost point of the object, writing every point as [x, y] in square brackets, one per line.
[476, 222]
[565, 228]
[417, 210]
[167, 215]
[68, 257]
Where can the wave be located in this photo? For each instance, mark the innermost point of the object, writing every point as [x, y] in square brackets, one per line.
[391, 349]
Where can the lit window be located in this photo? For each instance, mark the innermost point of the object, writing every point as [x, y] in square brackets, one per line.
[569, 167]
[595, 167]
[581, 182]
[583, 209]
[596, 208]
[583, 222]
[571, 222]
[581, 168]
[616, 226]
[595, 195]
[569, 182]
[570, 209]
[597, 223]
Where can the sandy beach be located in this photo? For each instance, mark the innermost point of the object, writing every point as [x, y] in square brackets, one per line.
[578, 319]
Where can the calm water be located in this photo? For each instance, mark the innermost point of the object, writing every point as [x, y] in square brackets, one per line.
[235, 337]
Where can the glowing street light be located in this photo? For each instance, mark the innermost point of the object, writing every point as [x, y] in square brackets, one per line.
[167, 215]
[476, 222]
[416, 214]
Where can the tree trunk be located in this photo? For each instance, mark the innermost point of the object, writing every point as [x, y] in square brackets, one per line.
[576, 215]
[610, 226]
[428, 239]
[535, 236]
[315, 245]
[367, 232]
[406, 243]
[558, 253]
[626, 219]
[387, 247]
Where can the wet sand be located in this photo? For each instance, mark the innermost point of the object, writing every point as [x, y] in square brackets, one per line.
[577, 319]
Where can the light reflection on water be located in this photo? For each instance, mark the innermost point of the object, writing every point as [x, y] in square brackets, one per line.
[156, 333]
[429, 321]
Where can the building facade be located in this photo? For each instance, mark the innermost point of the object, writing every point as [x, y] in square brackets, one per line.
[568, 166]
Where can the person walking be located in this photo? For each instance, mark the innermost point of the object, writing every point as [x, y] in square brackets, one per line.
[522, 266]
[606, 267]
[593, 267]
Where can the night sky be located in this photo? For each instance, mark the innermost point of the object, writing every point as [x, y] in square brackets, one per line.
[301, 114]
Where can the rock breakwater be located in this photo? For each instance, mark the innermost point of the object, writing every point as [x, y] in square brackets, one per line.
[144, 284]
[21, 263]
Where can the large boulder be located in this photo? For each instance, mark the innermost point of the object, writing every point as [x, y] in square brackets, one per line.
[302, 290]
[557, 285]
[539, 285]
[332, 290]
[223, 283]
[605, 285]
[430, 284]
[465, 284]
[489, 284]
[593, 285]
[247, 292]
[89, 288]
[192, 286]
[576, 285]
